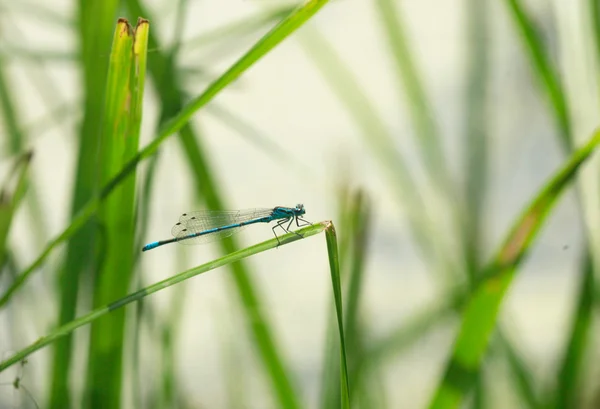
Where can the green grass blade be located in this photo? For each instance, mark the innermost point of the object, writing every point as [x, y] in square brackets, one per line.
[254, 137]
[407, 333]
[18, 52]
[10, 197]
[271, 39]
[543, 70]
[594, 7]
[568, 372]
[95, 29]
[94, 315]
[475, 142]
[207, 190]
[236, 29]
[39, 11]
[8, 112]
[420, 109]
[119, 143]
[265, 44]
[572, 363]
[334, 268]
[479, 317]
[521, 375]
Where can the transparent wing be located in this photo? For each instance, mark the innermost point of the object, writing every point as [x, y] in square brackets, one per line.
[196, 222]
[207, 238]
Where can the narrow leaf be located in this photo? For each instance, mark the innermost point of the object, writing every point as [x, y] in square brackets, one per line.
[479, 317]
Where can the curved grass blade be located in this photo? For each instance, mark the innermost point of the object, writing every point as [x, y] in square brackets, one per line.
[354, 213]
[521, 374]
[262, 47]
[569, 372]
[479, 317]
[334, 268]
[476, 139]
[572, 362]
[254, 137]
[95, 30]
[544, 70]
[178, 278]
[420, 109]
[236, 29]
[594, 7]
[10, 197]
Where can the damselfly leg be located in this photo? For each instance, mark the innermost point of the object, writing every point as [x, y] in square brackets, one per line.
[279, 224]
[306, 222]
[287, 229]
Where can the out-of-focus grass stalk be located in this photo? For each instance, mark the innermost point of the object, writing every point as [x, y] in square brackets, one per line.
[475, 142]
[446, 212]
[544, 71]
[421, 114]
[236, 29]
[119, 143]
[346, 87]
[11, 194]
[521, 375]
[99, 312]
[9, 112]
[40, 11]
[95, 24]
[479, 316]
[253, 136]
[571, 364]
[594, 7]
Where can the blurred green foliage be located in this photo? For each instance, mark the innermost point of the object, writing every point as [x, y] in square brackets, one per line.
[110, 208]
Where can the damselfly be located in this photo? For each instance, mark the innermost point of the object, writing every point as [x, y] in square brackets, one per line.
[206, 226]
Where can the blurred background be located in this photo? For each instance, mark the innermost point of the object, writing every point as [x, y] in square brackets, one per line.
[421, 128]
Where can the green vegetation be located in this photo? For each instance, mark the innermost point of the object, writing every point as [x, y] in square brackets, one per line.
[93, 262]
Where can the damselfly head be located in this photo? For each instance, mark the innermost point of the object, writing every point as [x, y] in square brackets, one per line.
[300, 209]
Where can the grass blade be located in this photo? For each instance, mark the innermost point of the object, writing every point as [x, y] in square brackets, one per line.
[96, 23]
[119, 143]
[420, 109]
[237, 29]
[334, 268]
[10, 197]
[475, 142]
[479, 317]
[544, 70]
[353, 215]
[94, 315]
[521, 375]
[572, 362]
